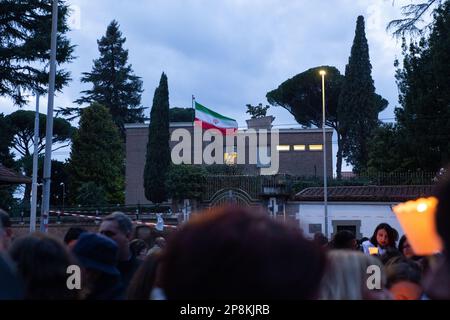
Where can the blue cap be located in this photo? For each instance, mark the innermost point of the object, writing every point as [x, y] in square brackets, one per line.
[98, 252]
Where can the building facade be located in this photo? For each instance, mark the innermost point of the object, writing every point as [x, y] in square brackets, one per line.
[299, 152]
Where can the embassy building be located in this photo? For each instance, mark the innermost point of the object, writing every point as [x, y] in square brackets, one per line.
[268, 151]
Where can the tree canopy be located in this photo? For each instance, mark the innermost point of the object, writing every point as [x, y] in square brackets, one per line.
[97, 155]
[25, 30]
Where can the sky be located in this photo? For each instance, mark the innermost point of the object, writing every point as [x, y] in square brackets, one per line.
[229, 53]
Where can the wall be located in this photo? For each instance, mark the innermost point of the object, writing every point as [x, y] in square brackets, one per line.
[369, 215]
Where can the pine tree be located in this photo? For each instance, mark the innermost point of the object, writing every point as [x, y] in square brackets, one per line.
[359, 106]
[25, 30]
[157, 160]
[97, 155]
[114, 84]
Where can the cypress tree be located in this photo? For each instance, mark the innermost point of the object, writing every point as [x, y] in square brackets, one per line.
[97, 155]
[358, 105]
[114, 84]
[157, 160]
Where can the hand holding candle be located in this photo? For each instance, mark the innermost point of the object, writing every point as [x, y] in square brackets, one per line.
[417, 219]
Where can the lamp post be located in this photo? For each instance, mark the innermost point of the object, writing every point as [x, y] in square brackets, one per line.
[325, 194]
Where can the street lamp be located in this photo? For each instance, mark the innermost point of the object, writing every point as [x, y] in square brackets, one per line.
[325, 194]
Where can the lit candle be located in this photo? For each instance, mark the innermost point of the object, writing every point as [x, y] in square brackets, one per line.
[373, 250]
[417, 219]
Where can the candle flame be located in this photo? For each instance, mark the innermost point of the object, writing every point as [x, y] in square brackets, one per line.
[422, 207]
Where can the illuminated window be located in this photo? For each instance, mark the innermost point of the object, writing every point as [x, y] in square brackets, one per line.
[230, 158]
[315, 147]
[283, 148]
[299, 147]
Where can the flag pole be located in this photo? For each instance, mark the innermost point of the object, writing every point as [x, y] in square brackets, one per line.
[193, 108]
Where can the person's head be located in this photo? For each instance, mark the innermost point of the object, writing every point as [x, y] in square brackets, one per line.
[143, 280]
[72, 235]
[344, 240]
[346, 276]
[384, 236]
[320, 239]
[98, 257]
[6, 232]
[118, 227]
[404, 278]
[160, 242]
[139, 248]
[42, 261]
[233, 252]
[405, 248]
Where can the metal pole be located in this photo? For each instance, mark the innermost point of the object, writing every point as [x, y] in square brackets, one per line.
[325, 191]
[35, 169]
[49, 129]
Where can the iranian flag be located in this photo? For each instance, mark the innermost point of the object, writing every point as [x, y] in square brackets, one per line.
[208, 119]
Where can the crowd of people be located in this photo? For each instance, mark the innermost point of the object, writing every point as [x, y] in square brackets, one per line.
[227, 253]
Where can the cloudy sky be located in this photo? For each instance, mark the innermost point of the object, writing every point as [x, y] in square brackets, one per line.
[229, 53]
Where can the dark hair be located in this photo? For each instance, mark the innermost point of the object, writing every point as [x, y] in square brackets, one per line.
[5, 221]
[343, 240]
[401, 243]
[443, 212]
[136, 246]
[232, 252]
[392, 235]
[402, 269]
[42, 262]
[143, 280]
[73, 234]
[320, 239]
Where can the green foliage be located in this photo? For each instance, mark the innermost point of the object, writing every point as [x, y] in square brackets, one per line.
[6, 142]
[181, 115]
[302, 97]
[257, 111]
[358, 105]
[97, 155]
[157, 160]
[90, 194]
[114, 84]
[186, 181]
[225, 169]
[422, 138]
[25, 30]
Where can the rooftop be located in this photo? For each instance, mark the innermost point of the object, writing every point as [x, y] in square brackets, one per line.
[367, 193]
[8, 176]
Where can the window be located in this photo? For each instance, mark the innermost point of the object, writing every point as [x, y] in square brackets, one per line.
[299, 147]
[283, 147]
[314, 228]
[230, 158]
[315, 147]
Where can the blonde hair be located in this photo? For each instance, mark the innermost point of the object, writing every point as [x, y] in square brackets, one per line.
[346, 275]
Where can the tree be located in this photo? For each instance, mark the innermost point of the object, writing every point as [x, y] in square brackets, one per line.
[114, 84]
[97, 155]
[7, 159]
[90, 194]
[413, 16]
[25, 30]
[21, 123]
[358, 105]
[257, 111]
[185, 181]
[157, 160]
[420, 138]
[424, 116]
[302, 97]
[181, 115]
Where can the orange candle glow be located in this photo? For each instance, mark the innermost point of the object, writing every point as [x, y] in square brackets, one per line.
[373, 250]
[417, 219]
